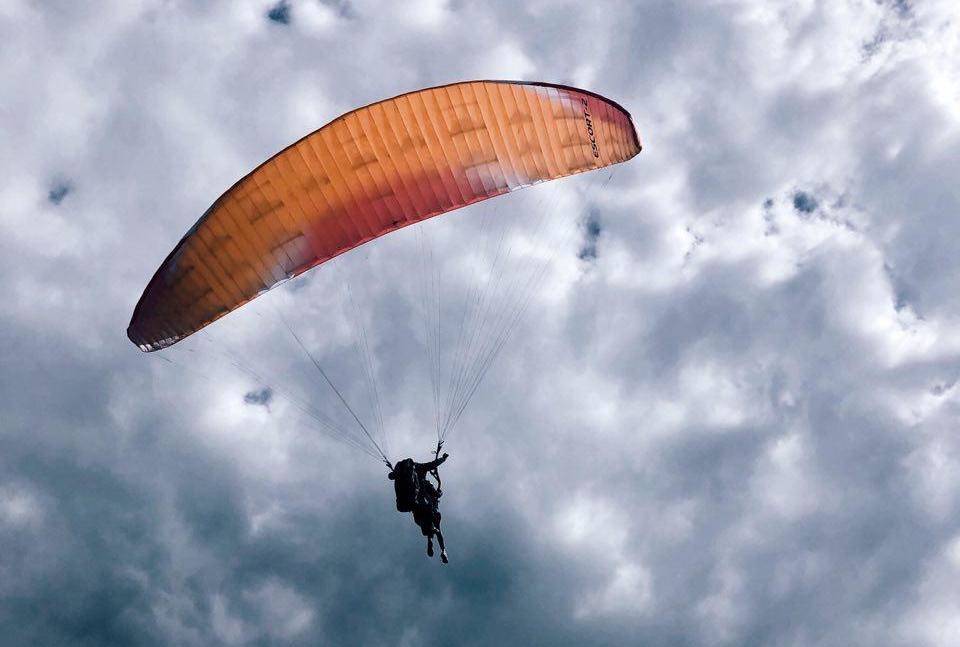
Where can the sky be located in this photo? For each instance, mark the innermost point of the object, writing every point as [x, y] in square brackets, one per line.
[727, 417]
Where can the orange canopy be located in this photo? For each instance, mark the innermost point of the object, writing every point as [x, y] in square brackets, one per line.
[367, 173]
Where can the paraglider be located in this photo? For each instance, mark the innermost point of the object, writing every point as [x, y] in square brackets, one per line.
[415, 493]
[367, 173]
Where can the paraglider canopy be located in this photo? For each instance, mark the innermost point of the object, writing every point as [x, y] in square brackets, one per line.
[367, 173]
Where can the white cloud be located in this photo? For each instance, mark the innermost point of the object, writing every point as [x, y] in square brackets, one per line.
[19, 507]
[934, 617]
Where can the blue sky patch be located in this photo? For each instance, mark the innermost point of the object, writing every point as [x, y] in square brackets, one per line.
[58, 192]
[591, 233]
[262, 397]
[280, 13]
[805, 202]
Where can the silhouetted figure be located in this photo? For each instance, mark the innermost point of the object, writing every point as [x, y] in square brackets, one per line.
[415, 493]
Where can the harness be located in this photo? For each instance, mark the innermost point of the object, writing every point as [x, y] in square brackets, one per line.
[435, 472]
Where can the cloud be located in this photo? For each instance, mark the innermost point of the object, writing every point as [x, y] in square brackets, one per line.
[737, 428]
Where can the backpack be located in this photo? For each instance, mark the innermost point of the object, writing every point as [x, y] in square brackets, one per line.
[406, 484]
